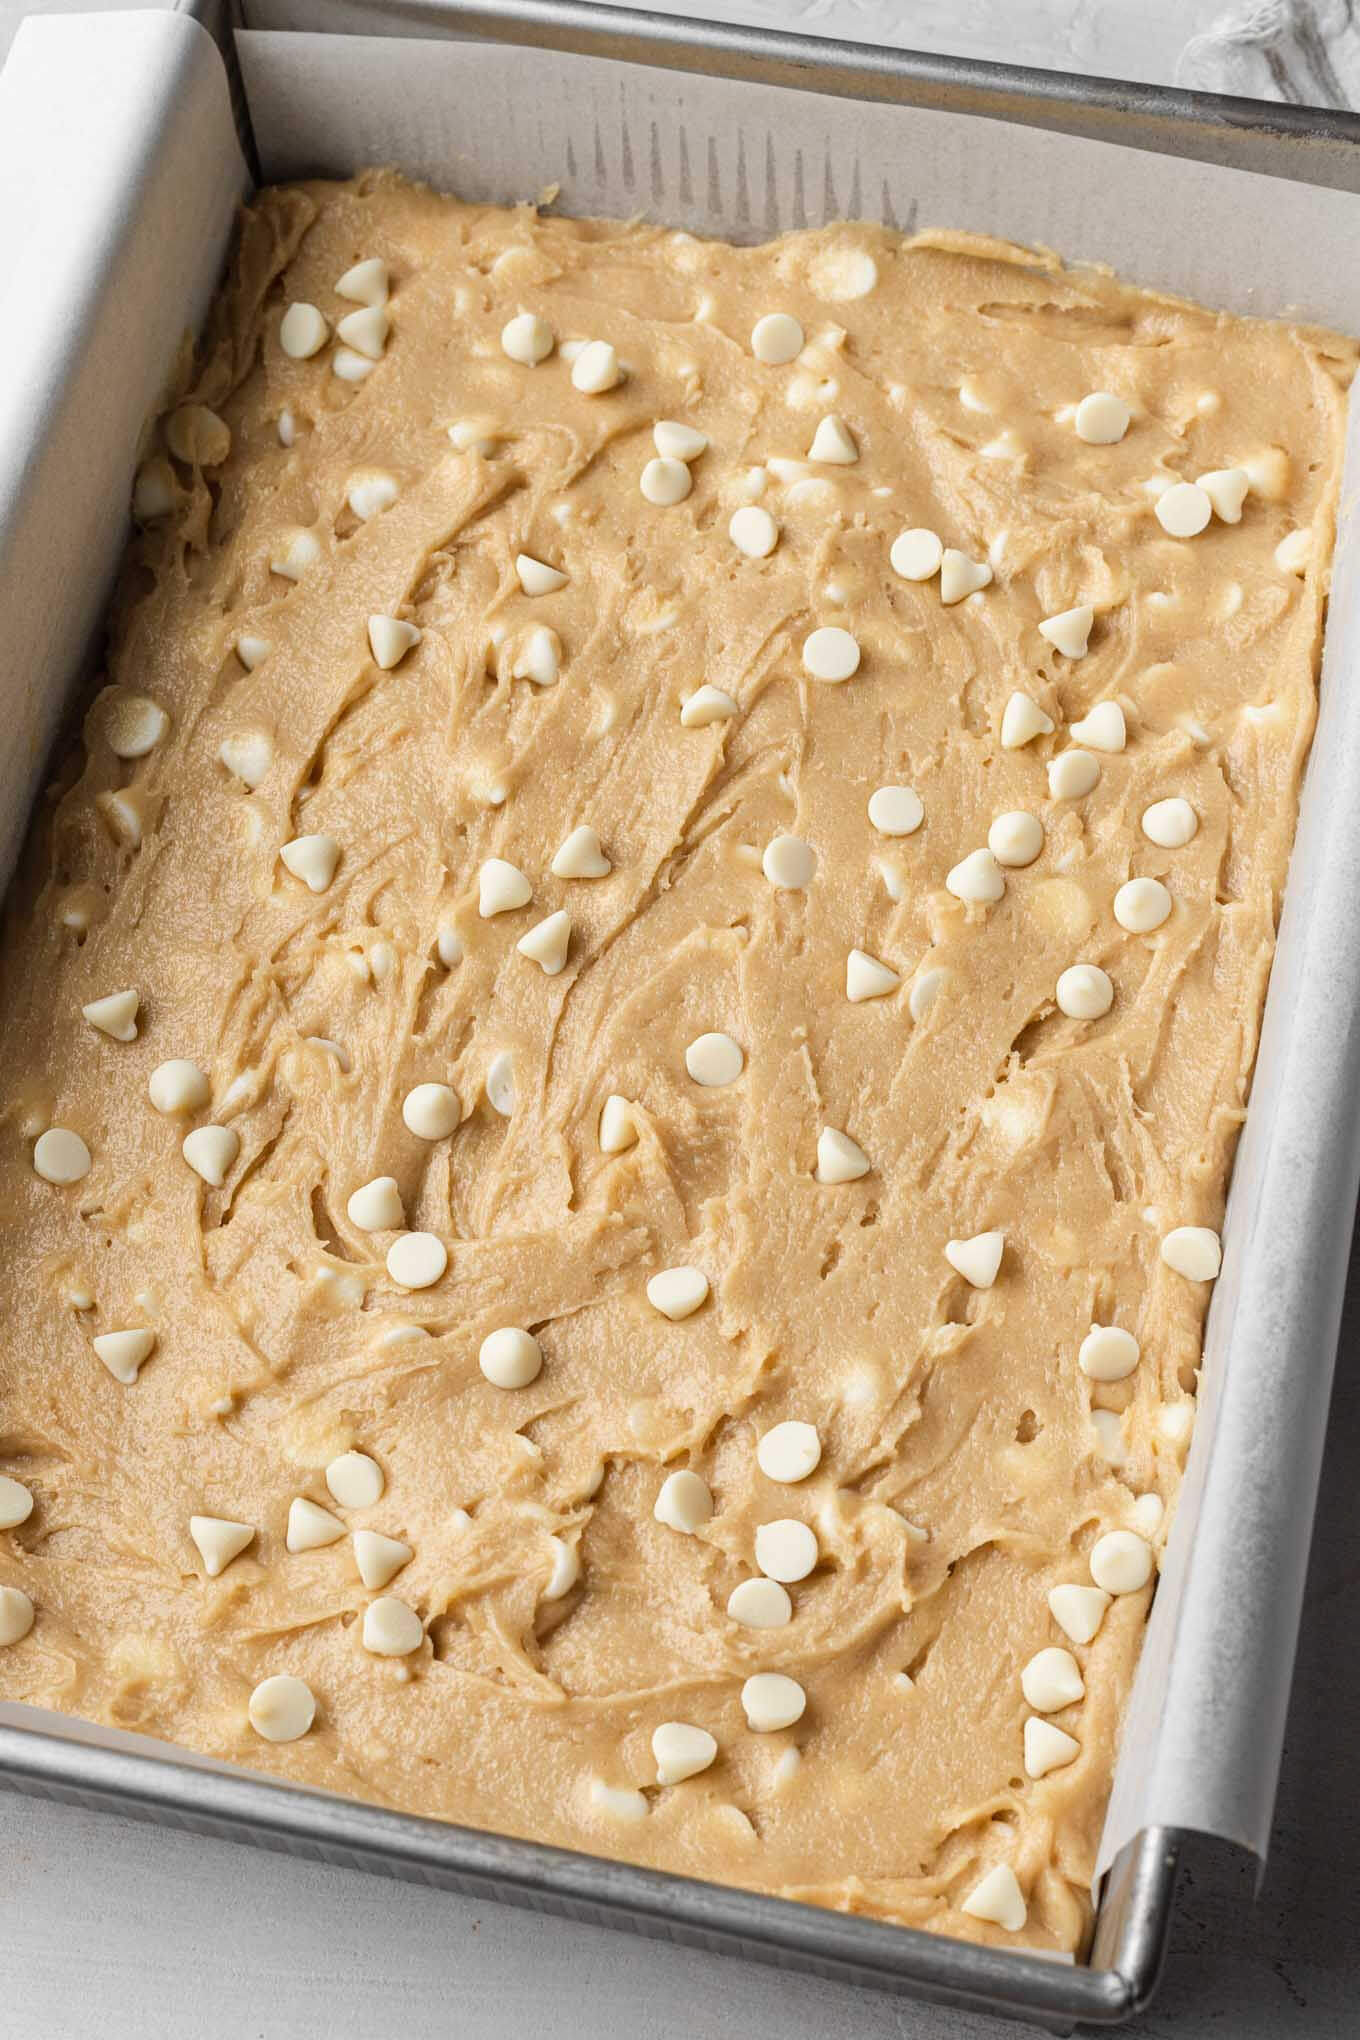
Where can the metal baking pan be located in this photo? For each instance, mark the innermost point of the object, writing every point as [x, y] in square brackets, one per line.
[74, 1761]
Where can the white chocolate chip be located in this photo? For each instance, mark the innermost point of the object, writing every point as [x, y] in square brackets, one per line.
[417, 1260]
[1142, 904]
[538, 657]
[60, 1156]
[960, 576]
[527, 339]
[16, 1503]
[1072, 775]
[776, 338]
[916, 554]
[252, 651]
[895, 810]
[134, 725]
[356, 1480]
[1047, 1748]
[666, 482]
[1103, 729]
[1147, 1513]
[867, 978]
[1052, 1680]
[1069, 632]
[978, 1259]
[1170, 823]
[303, 331]
[925, 990]
[1084, 992]
[282, 1708]
[366, 283]
[771, 1701]
[681, 1751]
[536, 577]
[379, 1559]
[760, 1604]
[1016, 839]
[249, 756]
[1183, 510]
[16, 1615]
[684, 1502]
[1078, 1611]
[197, 436]
[219, 1541]
[510, 1357]
[115, 1015]
[1226, 489]
[595, 369]
[1109, 1436]
[707, 705]
[834, 443]
[153, 491]
[581, 856]
[1176, 1422]
[124, 815]
[391, 1628]
[840, 1159]
[350, 366]
[390, 638]
[313, 859]
[431, 1111]
[376, 1206]
[830, 654]
[618, 1129]
[178, 1086]
[500, 1083]
[370, 493]
[297, 551]
[566, 1570]
[310, 1527]
[997, 1897]
[753, 531]
[286, 427]
[977, 879]
[786, 1550]
[677, 1292]
[547, 943]
[1121, 1562]
[1022, 720]
[789, 864]
[714, 1060]
[365, 331]
[676, 441]
[123, 1352]
[475, 435]
[1100, 419]
[501, 888]
[619, 1802]
[1108, 1353]
[1294, 553]
[789, 1452]
[1193, 1251]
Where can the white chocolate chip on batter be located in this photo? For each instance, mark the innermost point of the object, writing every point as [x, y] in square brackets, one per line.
[1016, 839]
[390, 638]
[867, 978]
[1101, 419]
[707, 705]
[677, 1292]
[282, 1708]
[178, 1086]
[1142, 904]
[581, 856]
[1294, 553]
[1193, 1251]
[219, 1541]
[789, 864]
[536, 577]
[527, 339]
[313, 859]
[376, 1206]
[1147, 1513]
[1047, 1748]
[154, 491]
[977, 879]
[1069, 632]
[538, 657]
[500, 1083]
[392, 1628]
[619, 1802]
[681, 1751]
[753, 531]
[771, 1701]
[760, 1604]
[379, 1559]
[1171, 824]
[684, 1502]
[16, 1615]
[1022, 720]
[417, 1260]
[776, 338]
[134, 725]
[210, 1152]
[960, 576]
[123, 1352]
[1183, 510]
[1052, 1680]
[366, 283]
[197, 436]
[674, 440]
[1121, 1562]
[1103, 729]
[303, 331]
[1108, 1353]
[296, 551]
[355, 1480]
[895, 810]
[310, 1527]
[501, 888]
[351, 366]
[115, 1015]
[1084, 992]
[834, 443]
[16, 1503]
[510, 1357]
[618, 1128]
[916, 554]
[1226, 489]
[1078, 1611]
[830, 654]
[248, 756]
[840, 1159]
[369, 493]
[978, 1259]
[714, 1060]
[786, 1550]
[547, 943]
[566, 1570]
[997, 1898]
[431, 1111]
[252, 651]
[596, 368]
[666, 482]
[365, 331]
[789, 1452]
[1072, 775]
[61, 1156]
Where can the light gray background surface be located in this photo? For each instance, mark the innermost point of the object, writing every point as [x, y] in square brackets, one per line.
[128, 1933]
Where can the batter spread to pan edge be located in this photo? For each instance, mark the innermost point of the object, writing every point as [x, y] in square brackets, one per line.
[972, 1451]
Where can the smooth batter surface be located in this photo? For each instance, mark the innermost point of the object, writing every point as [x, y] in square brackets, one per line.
[944, 1409]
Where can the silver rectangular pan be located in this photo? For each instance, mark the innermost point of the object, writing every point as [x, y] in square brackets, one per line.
[72, 1762]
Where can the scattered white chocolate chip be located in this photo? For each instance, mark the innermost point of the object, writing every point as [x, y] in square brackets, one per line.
[895, 810]
[1084, 992]
[123, 1352]
[595, 369]
[1078, 1611]
[356, 1480]
[1101, 419]
[16, 1503]
[510, 1357]
[351, 366]
[566, 1570]
[501, 888]
[1108, 1353]
[219, 1541]
[115, 1015]
[500, 1083]
[366, 283]
[789, 1452]
[365, 331]
[674, 440]
[867, 978]
[840, 1159]
[303, 331]
[786, 1550]
[916, 554]
[1142, 904]
[681, 1751]
[16, 1615]
[620, 1802]
[1072, 775]
[1121, 1562]
[417, 1260]
[248, 755]
[1103, 729]
[707, 705]
[684, 1502]
[618, 1129]
[60, 1156]
[1052, 1680]
[178, 1086]
[390, 638]
[997, 1898]
[527, 339]
[771, 1701]
[369, 493]
[1183, 510]
[282, 1708]
[1109, 1436]
[1226, 489]
[313, 859]
[197, 436]
[977, 879]
[789, 864]
[391, 1628]
[536, 577]
[925, 990]
[978, 1259]
[714, 1060]
[252, 651]
[1021, 721]
[760, 1604]
[1176, 1422]
[378, 1558]
[547, 943]
[960, 576]
[1193, 1251]
[123, 814]
[666, 482]
[581, 856]
[538, 657]
[134, 725]
[1170, 823]
[297, 550]
[1015, 839]
[153, 491]
[431, 1111]
[776, 338]
[1047, 1748]
[286, 427]
[1069, 632]
[1294, 553]
[376, 1206]
[677, 1292]
[1147, 1513]
[310, 1527]
[830, 654]
[753, 531]
[834, 443]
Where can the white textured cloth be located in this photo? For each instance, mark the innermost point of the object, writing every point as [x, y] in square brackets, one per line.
[1306, 51]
